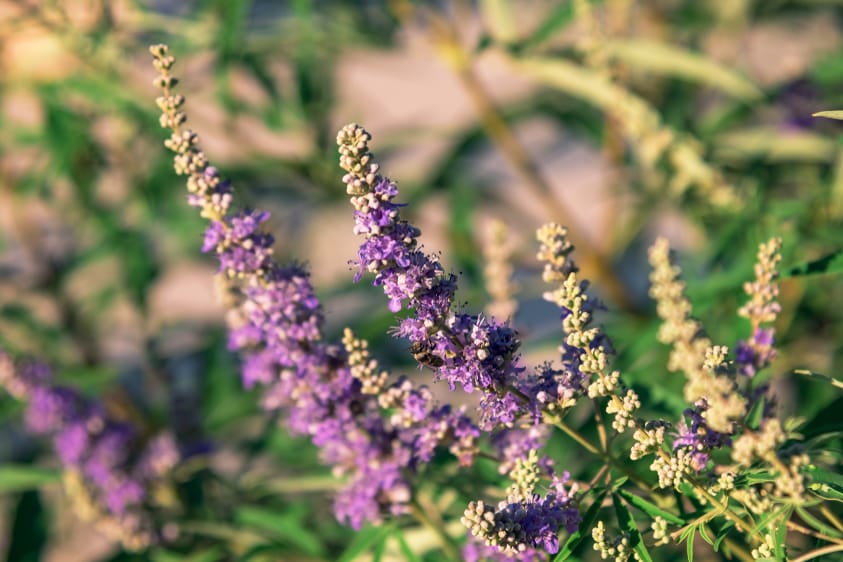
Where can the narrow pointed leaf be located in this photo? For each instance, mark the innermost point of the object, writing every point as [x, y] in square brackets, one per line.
[585, 528]
[830, 263]
[671, 60]
[19, 478]
[365, 540]
[830, 114]
[627, 523]
[649, 508]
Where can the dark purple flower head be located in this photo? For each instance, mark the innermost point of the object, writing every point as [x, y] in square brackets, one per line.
[526, 520]
[694, 434]
[757, 353]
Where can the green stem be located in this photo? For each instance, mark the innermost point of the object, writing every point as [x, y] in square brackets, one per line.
[575, 435]
[447, 542]
[593, 449]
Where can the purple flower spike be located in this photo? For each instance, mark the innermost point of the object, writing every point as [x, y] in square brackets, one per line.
[107, 465]
[472, 352]
[276, 322]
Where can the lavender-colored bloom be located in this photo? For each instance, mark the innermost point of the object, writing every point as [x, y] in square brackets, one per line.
[276, 323]
[103, 456]
[50, 407]
[694, 434]
[72, 442]
[515, 444]
[755, 354]
[469, 351]
[523, 522]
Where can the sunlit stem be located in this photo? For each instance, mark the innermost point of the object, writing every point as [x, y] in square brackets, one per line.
[446, 541]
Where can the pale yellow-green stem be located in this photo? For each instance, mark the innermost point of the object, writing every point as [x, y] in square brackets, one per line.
[814, 554]
[446, 541]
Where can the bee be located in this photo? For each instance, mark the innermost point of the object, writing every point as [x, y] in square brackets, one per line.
[423, 353]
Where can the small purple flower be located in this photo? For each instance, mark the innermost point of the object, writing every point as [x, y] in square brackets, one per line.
[757, 353]
[693, 433]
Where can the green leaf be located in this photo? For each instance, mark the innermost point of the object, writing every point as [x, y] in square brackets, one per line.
[756, 414]
[820, 475]
[830, 114]
[689, 530]
[826, 492]
[285, 526]
[378, 551]
[825, 484]
[616, 485]
[830, 263]
[212, 554]
[765, 521]
[627, 523]
[649, 508]
[809, 518]
[757, 476]
[29, 531]
[781, 539]
[18, 478]
[577, 536]
[689, 544]
[819, 376]
[556, 20]
[406, 551]
[671, 60]
[721, 536]
[704, 534]
[365, 540]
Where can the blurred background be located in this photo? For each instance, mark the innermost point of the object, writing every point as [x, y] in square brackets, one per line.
[622, 119]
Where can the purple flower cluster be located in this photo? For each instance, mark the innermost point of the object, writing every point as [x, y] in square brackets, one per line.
[109, 467]
[466, 350]
[469, 351]
[524, 523]
[756, 353]
[515, 444]
[277, 326]
[700, 440]
[374, 436]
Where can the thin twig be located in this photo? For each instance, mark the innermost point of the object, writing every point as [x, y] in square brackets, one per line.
[793, 526]
[819, 552]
